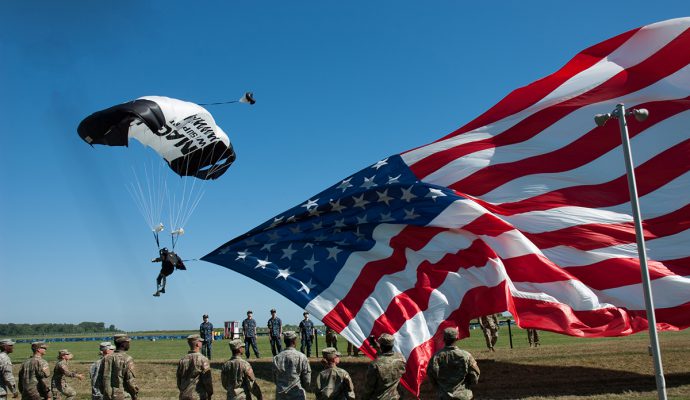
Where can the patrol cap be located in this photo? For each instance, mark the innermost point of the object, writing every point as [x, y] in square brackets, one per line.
[305, 313]
[104, 346]
[290, 335]
[6, 342]
[450, 334]
[121, 337]
[386, 339]
[205, 316]
[64, 352]
[194, 338]
[330, 352]
[235, 345]
[249, 312]
[273, 310]
[39, 345]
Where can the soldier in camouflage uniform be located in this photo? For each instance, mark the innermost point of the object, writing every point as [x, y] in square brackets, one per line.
[306, 330]
[61, 389]
[206, 333]
[452, 371]
[333, 383]
[7, 382]
[384, 373]
[237, 375]
[105, 348]
[533, 337]
[118, 378]
[34, 373]
[275, 332]
[291, 371]
[331, 338]
[490, 327]
[249, 333]
[194, 378]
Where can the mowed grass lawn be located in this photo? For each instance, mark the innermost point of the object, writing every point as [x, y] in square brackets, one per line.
[561, 368]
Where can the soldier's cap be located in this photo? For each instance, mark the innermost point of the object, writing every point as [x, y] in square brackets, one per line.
[273, 310]
[290, 335]
[104, 345]
[249, 312]
[205, 316]
[305, 313]
[194, 338]
[235, 345]
[6, 342]
[386, 339]
[121, 337]
[39, 345]
[63, 352]
[330, 352]
[450, 334]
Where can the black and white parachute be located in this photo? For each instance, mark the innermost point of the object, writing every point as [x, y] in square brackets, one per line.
[183, 133]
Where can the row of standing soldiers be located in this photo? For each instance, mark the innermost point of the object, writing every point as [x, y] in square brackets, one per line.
[450, 370]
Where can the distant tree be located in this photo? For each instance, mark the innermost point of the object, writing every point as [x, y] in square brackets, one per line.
[46, 329]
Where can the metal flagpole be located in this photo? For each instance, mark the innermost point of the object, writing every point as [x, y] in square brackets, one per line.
[642, 253]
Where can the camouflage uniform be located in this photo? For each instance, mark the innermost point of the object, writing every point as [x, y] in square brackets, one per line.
[533, 337]
[61, 389]
[206, 333]
[451, 371]
[306, 330]
[7, 383]
[95, 380]
[490, 327]
[383, 377]
[291, 374]
[331, 338]
[194, 378]
[333, 383]
[249, 331]
[275, 328]
[118, 378]
[33, 379]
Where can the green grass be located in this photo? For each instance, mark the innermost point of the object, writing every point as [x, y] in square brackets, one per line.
[561, 368]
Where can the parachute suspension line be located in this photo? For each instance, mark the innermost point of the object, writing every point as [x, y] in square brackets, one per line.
[221, 102]
[137, 193]
[158, 243]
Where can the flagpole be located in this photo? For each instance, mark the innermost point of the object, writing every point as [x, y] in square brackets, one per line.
[642, 253]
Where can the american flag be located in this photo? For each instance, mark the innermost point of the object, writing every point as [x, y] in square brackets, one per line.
[524, 209]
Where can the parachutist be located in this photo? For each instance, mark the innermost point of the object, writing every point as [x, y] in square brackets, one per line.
[170, 262]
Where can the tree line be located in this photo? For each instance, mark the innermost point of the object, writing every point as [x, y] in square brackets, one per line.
[44, 329]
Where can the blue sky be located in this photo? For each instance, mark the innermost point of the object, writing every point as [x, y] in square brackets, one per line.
[339, 86]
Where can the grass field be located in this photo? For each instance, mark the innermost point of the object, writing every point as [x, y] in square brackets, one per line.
[561, 368]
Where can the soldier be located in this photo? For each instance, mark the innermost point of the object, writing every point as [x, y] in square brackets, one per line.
[490, 327]
[384, 373]
[34, 373]
[306, 330]
[118, 378]
[333, 383]
[237, 375]
[194, 378]
[104, 348]
[331, 338]
[7, 382]
[452, 371]
[59, 385]
[206, 333]
[352, 350]
[533, 337]
[275, 331]
[169, 263]
[291, 371]
[249, 333]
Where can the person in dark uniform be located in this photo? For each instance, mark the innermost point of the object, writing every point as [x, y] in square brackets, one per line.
[306, 330]
[275, 332]
[249, 333]
[170, 262]
[206, 333]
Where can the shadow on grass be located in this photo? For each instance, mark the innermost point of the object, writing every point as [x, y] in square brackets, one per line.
[504, 380]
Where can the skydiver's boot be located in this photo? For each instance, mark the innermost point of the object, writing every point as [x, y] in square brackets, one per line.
[157, 294]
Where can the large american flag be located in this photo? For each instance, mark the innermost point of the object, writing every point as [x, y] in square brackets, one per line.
[524, 209]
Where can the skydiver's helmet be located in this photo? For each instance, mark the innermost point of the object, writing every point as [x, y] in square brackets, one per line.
[163, 251]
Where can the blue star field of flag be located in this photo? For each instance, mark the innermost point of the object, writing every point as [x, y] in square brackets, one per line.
[299, 252]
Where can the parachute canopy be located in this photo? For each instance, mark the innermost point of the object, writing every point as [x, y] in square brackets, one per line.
[183, 133]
